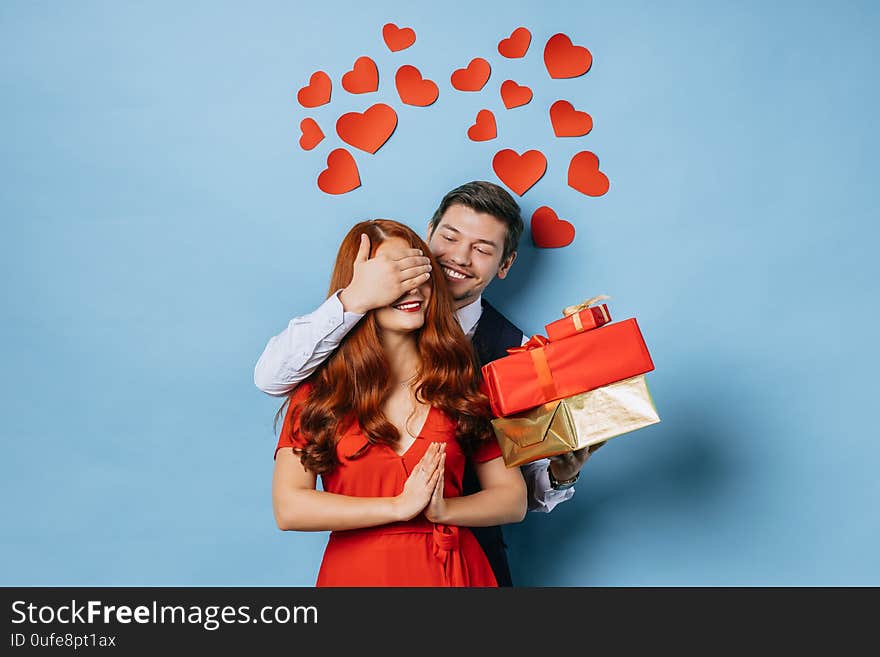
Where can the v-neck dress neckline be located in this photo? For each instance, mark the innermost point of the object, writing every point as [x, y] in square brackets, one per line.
[419, 436]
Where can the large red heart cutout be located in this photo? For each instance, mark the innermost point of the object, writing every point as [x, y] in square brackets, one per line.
[564, 60]
[568, 122]
[412, 89]
[472, 78]
[484, 129]
[341, 174]
[516, 45]
[363, 78]
[519, 172]
[584, 174]
[549, 231]
[398, 38]
[368, 130]
[311, 136]
[514, 95]
[317, 92]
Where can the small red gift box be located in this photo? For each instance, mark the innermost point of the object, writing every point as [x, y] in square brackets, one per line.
[578, 319]
[541, 371]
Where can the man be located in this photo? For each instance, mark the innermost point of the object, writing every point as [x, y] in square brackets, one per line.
[474, 235]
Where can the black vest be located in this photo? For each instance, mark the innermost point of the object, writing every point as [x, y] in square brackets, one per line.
[494, 334]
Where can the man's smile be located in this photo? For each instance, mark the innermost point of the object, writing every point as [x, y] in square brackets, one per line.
[454, 274]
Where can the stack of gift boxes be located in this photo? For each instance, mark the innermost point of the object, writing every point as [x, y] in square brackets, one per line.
[578, 387]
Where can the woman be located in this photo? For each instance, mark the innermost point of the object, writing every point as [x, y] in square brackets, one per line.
[387, 422]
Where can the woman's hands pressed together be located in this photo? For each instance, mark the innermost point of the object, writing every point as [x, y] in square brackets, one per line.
[436, 509]
[421, 485]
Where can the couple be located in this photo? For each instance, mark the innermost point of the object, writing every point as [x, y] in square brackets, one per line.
[384, 403]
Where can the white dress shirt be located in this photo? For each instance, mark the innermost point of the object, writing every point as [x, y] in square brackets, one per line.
[294, 354]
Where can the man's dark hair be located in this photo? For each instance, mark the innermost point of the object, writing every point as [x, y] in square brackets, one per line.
[482, 196]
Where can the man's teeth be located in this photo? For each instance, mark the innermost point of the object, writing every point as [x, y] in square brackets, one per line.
[454, 274]
[408, 306]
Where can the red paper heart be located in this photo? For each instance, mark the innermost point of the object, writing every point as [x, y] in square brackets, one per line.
[472, 78]
[549, 231]
[398, 38]
[519, 172]
[341, 174]
[369, 130]
[516, 45]
[568, 122]
[363, 78]
[584, 174]
[484, 129]
[514, 95]
[412, 89]
[564, 60]
[317, 92]
[312, 135]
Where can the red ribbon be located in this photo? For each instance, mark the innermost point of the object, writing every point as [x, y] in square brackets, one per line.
[447, 550]
[535, 347]
[535, 342]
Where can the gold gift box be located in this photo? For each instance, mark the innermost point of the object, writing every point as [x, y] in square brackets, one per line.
[586, 419]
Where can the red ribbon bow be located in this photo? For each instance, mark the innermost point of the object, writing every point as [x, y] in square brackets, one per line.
[535, 346]
[446, 549]
[534, 342]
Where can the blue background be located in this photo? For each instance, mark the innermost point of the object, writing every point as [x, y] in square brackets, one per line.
[160, 223]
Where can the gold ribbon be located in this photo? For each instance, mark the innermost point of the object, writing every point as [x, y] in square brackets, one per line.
[572, 310]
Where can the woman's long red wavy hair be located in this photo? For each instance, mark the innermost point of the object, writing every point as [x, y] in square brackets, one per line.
[354, 383]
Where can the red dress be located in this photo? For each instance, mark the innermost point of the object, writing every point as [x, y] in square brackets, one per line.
[412, 553]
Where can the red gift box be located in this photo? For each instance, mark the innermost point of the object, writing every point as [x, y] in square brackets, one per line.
[582, 319]
[541, 371]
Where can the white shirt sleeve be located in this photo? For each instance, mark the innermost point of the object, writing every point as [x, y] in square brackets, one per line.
[541, 496]
[294, 354]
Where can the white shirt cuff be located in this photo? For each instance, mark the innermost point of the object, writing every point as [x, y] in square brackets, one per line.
[543, 498]
[341, 321]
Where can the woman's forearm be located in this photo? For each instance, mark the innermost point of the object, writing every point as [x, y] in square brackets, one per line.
[491, 506]
[313, 511]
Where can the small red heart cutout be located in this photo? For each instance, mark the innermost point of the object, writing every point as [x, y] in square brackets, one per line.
[412, 89]
[584, 174]
[363, 78]
[341, 174]
[484, 129]
[317, 92]
[369, 130]
[549, 231]
[398, 38]
[311, 136]
[564, 60]
[516, 45]
[472, 78]
[568, 122]
[519, 172]
[514, 95]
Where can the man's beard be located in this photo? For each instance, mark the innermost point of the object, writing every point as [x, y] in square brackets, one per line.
[467, 294]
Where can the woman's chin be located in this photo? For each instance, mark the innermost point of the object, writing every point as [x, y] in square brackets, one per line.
[406, 325]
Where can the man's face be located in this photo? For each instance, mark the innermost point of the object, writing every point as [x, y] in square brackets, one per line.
[468, 245]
